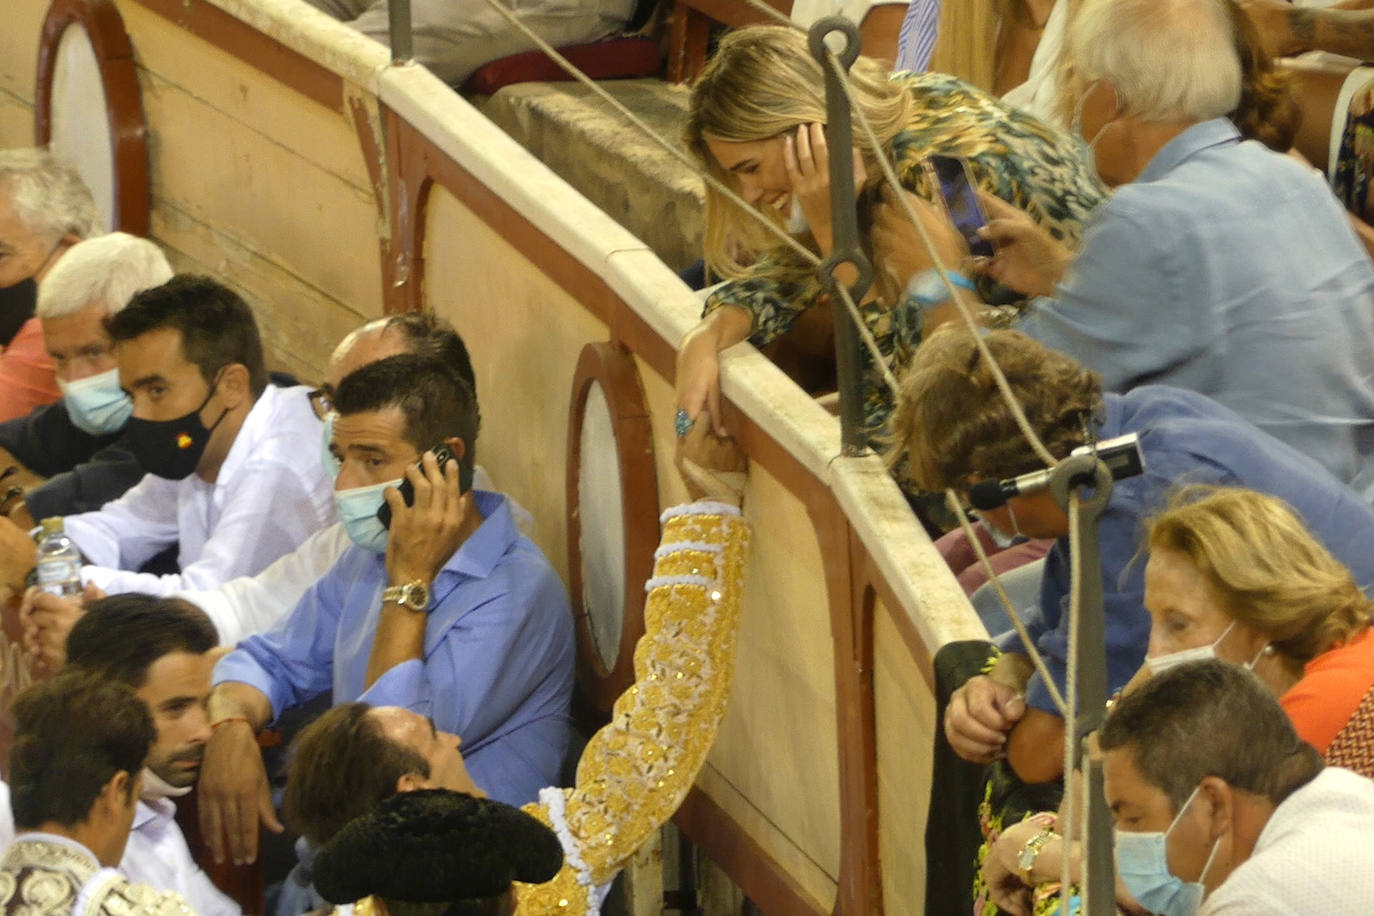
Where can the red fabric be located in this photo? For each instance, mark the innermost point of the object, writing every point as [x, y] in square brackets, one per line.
[26, 373]
[613, 58]
[1330, 691]
[958, 553]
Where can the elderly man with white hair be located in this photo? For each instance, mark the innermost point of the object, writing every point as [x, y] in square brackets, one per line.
[1217, 265]
[76, 444]
[44, 209]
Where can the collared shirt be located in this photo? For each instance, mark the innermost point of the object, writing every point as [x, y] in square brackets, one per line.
[27, 377]
[1311, 857]
[84, 471]
[254, 604]
[1186, 438]
[498, 653]
[157, 855]
[270, 495]
[1230, 270]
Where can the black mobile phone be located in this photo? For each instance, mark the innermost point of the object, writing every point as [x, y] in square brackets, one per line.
[961, 202]
[443, 456]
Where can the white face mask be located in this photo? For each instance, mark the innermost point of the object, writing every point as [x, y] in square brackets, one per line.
[1000, 537]
[1087, 148]
[1161, 663]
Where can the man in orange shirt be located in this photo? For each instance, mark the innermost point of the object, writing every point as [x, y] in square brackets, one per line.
[44, 209]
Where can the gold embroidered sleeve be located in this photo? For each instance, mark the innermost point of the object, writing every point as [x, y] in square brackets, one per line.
[636, 771]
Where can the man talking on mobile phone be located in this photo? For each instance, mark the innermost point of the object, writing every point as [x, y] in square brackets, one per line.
[450, 612]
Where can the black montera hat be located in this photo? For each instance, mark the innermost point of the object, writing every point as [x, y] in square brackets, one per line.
[435, 846]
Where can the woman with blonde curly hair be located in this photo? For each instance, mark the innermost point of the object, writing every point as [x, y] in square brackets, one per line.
[755, 122]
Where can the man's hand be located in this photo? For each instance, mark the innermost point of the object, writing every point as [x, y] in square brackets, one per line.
[1001, 869]
[898, 252]
[17, 554]
[424, 536]
[979, 716]
[712, 467]
[1029, 259]
[234, 793]
[47, 620]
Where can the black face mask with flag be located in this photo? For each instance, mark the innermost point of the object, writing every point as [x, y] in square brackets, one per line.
[172, 448]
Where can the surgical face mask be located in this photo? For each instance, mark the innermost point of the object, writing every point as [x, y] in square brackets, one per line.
[796, 218]
[327, 459]
[999, 537]
[1142, 862]
[357, 508]
[172, 448]
[1162, 663]
[96, 404]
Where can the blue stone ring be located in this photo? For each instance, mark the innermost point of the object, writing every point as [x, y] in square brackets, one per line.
[682, 423]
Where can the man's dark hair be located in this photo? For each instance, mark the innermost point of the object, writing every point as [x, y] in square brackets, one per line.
[428, 335]
[121, 636]
[217, 327]
[72, 734]
[1210, 718]
[343, 765]
[434, 400]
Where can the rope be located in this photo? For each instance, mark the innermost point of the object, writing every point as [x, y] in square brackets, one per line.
[1074, 809]
[952, 500]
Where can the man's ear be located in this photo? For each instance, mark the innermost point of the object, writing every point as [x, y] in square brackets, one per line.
[234, 385]
[410, 782]
[1220, 798]
[457, 446]
[116, 794]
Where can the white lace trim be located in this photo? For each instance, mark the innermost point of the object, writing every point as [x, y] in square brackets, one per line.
[555, 801]
[698, 546]
[662, 581]
[706, 507]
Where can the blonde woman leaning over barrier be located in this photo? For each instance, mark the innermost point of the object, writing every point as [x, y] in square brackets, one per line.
[755, 123]
[1234, 574]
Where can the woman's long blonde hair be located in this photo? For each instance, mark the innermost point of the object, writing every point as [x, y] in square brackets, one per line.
[761, 82]
[1267, 569]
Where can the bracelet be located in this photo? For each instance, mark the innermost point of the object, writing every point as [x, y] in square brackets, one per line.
[992, 660]
[227, 719]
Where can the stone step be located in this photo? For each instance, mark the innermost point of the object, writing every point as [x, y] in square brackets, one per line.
[625, 173]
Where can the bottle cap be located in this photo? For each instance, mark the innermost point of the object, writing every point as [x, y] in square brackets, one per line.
[52, 525]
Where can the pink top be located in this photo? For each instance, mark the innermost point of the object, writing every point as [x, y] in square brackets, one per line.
[26, 373]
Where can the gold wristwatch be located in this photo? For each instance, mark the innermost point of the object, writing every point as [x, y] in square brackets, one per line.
[412, 595]
[1025, 859]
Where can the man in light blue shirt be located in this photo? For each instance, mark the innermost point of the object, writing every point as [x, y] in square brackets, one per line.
[450, 613]
[1217, 265]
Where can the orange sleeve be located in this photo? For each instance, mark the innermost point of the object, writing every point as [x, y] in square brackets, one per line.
[1330, 691]
[26, 373]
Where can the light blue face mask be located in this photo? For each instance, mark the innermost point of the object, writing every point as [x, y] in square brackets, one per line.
[1142, 861]
[357, 508]
[327, 459]
[96, 403]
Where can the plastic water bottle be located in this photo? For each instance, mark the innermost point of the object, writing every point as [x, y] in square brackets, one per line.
[59, 562]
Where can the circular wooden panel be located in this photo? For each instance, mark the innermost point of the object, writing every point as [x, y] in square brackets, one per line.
[87, 77]
[612, 518]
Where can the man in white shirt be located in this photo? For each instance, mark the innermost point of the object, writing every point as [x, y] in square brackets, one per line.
[164, 649]
[228, 481]
[252, 604]
[1221, 809]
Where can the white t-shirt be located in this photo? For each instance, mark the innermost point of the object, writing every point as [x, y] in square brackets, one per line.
[1313, 856]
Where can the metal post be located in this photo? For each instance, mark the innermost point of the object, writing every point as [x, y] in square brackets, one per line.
[845, 229]
[1079, 472]
[398, 20]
